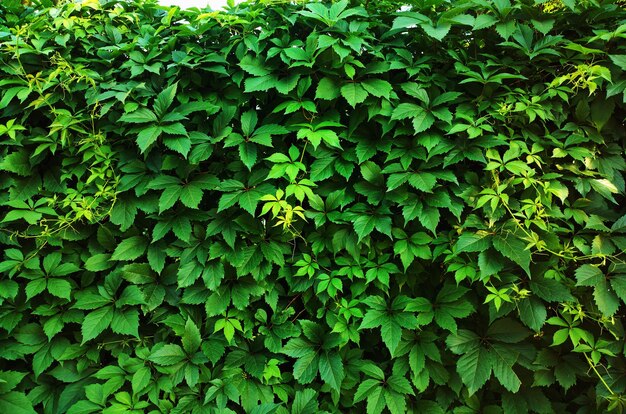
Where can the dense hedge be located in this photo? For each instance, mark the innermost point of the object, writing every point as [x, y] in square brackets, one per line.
[313, 209]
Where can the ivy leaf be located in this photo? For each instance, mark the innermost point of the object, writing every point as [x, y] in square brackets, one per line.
[327, 89]
[550, 290]
[126, 322]
[605, 298]
[141, 379]
[191, 195]
[532, 313]
[16, 403]
[331, 370]
[436, 32]
[364, 225]
[354, 93]
[191, 337]
[472, 242]
[376, 401]
[167, 355]
[377, 87]
[147, 137]
[305, 402]
[514, 249]
[502, 360]
[474, 367]
[180, 144]
[390, 323]
[96, 322]
[589, 275]
[130, 249]
[422, 120]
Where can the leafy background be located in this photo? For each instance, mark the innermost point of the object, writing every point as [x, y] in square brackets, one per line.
[294, 208]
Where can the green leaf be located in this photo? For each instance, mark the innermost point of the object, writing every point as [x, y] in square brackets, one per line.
[422, 121]
[60, 288]
[327, 89]
[191, 337]
[532, 313]
[331, 370]
[180, 144]
[190, 195]
[365, 389]
[472, 242]
[18, 163]
[147, 137]
[169, 197]
[167, 354]
[550, 290]
[354, 93]
[98, 262]
[376, 401]
[123, 213]
[514, 249]
[126, 322]
[606, 300]
[406, 110]
[15, 403]
[396, 403]
[248, 154]
[619, 60]
[438, 32]
[141, 379]
[364, 225]
[588, 275]
[377, 87]
[96, 322]
[130, 249]
[140, 116]
[502, 360]
[164, 100]
[474, 367]
[260, 84]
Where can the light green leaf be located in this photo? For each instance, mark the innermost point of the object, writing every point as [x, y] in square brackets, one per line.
[126, 322]
[406, 110]
[514, 249]
[191, 195]
[474, 367]
[472, 242]
[191, 337]
[167, 354]
[60, 288]
[16, 403]
[164, 100]
[98, 262]
[96, 322]
[377, 87]
[327, 89]
[588, 275]
[606, 300]
[141, 379]
[422, 121]
[147, 137]
[331, 370]
[354, 93]
[130, 249]
[140, 116]
[619, 60]
[180, 144]
[438, 32]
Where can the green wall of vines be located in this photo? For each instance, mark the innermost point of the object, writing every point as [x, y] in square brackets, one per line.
[313, 208]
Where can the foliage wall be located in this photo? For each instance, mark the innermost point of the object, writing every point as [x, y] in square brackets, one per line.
[313, 208]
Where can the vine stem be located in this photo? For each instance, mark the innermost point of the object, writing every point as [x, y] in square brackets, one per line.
[593, 367]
